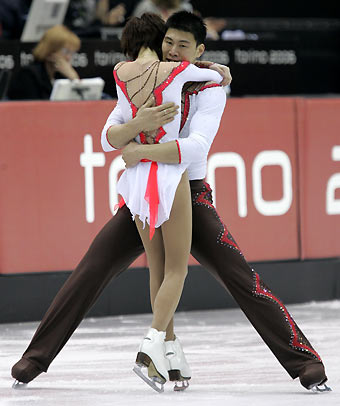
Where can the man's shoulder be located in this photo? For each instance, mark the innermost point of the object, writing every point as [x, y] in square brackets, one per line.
[196, 87]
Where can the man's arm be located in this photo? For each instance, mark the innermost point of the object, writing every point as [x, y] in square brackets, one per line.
[203, 128]
[203, 125]
[117, 134]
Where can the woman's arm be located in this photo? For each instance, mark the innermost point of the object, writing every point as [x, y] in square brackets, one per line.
[223, 70]
[194, 74]
[167, 152]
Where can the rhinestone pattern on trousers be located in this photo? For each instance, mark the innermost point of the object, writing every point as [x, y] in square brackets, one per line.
[296, 341]
[205, 199]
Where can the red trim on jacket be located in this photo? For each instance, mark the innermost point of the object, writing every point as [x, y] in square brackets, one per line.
[187, 102]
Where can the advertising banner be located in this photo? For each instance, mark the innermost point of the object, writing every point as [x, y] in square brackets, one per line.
[252, 170]
[319, 161]
[274, 170]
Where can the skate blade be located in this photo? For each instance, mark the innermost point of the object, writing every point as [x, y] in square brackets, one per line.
[19, 385]
[152, 382]
[320, 388]
[175, 375]
[143, 360]
[181, 382]
[181, 386]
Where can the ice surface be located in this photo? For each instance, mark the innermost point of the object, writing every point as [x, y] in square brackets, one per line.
[231, 366]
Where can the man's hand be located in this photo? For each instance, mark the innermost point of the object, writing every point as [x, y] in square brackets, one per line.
[151, 118]
[131, 155]
[148, 119]
[223, 70]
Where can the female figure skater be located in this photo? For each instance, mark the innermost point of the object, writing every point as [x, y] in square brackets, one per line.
[158, 195]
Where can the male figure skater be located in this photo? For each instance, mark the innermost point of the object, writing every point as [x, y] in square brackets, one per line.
[212, 244]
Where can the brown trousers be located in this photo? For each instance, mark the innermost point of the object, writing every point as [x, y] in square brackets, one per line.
[212, 245]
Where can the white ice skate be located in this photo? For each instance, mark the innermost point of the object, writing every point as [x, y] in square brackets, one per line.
[152, 356]
[179, 371]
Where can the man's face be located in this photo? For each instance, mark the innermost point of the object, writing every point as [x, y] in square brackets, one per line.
[180, 46]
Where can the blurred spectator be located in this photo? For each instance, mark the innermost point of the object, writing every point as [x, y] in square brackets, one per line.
[214, 26]
[86, 17]
[167, 7]
[52, 60]
[13, 15]
[115, 12]
[212, 13]
[81, 14]
[164, 8]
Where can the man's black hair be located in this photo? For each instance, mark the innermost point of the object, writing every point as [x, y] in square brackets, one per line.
[189, 22]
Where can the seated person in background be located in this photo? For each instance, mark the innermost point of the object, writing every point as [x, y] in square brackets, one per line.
[164, 8]
[114, 12]
[214, 26]
[213, 14]
[86, 17]
[81, 17]
[52, 60]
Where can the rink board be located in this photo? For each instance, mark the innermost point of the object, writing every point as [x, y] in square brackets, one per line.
[271, 167]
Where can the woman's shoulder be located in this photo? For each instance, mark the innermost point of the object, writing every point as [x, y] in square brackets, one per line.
[119, 65]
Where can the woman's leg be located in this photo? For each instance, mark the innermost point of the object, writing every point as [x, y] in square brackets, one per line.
[176, 234]
[170, 333]
[151, 351]
[168, 254]
[156, 261]
[154, 250]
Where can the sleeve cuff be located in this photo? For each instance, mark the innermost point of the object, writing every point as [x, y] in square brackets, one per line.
[107, 138]
[179, 152]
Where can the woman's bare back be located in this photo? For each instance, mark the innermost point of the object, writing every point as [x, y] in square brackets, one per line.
[142, 79]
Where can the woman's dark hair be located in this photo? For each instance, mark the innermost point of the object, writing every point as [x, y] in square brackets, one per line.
[188, 22]
[146, 31]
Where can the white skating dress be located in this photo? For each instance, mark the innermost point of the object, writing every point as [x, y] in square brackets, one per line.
[148, 188]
